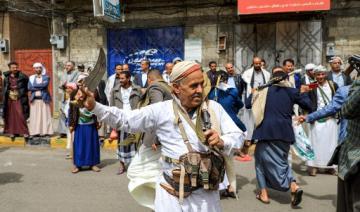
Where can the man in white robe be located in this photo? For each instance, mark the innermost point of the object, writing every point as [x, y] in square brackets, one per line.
[188, 81]
[324, 132]
[253, 78]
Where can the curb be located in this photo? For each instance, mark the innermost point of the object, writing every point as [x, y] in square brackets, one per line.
[55, 143]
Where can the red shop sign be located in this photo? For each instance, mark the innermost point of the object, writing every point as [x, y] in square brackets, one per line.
[246, 7]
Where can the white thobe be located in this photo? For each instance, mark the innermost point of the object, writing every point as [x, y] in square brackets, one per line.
[125, 98]
[166, 77]
[109, 86]
[246, 115]
[160, 118]
[323, 135]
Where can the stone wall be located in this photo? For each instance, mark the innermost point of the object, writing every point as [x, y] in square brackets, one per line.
[5, 57]
[345, 34]
[83, 45]
[205, 21]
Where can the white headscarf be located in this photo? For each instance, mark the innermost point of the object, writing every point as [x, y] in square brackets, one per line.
[320, 68]
[43, 71]
[310, 66]
[336, 58]
[183, 69]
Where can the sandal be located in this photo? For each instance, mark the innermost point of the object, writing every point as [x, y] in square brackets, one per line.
[258, 196]
[296, 197]
[244, 158]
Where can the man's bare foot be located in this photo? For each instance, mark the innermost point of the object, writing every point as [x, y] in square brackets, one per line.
[75, 170]
[312, 171]
[263, 196]
[121, 169]
[95, 169]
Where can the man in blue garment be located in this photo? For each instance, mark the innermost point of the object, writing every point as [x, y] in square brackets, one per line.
[273, 110]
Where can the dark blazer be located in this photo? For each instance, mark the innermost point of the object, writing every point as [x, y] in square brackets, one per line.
[277, 123]
[22, 84]
[138, 80]
[346, 78]
[239, 84]
[212, 77]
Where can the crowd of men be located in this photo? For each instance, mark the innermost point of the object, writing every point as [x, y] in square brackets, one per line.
[26, 99]
[181, 125]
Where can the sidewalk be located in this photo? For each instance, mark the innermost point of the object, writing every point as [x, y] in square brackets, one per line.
[55, 143]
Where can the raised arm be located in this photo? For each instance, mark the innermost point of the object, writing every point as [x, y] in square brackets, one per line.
[332, 108]
[350, 109]
[140, 120]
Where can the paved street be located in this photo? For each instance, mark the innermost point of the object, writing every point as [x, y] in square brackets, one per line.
[39, 179]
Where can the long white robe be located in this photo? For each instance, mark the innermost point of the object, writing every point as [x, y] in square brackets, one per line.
[246, 115]
[323, 135]
[160, 118]
[109, 86]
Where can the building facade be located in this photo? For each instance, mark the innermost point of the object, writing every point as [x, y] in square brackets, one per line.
[205, 31]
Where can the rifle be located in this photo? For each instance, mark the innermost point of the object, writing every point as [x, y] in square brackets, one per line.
[275, 80]
[354, 62]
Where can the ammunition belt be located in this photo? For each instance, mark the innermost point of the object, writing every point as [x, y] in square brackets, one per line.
[176, 186]
[170, 160]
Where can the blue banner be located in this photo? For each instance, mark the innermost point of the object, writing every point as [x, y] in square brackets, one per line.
[130, 46]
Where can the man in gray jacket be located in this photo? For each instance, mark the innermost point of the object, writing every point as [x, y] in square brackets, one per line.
[158, 89]
[125, 96]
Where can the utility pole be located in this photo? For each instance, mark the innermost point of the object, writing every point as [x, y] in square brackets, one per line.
[54, 71]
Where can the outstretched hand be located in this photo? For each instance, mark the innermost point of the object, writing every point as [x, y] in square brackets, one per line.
[301, 119]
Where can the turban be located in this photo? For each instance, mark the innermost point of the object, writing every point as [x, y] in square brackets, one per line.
[310, 66]
[183, 69]
[319, 69]
[336, 58]
[43, 69]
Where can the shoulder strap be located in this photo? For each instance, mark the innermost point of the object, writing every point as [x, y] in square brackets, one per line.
[324, 96]
[332, 87]
[164, 86]
[252, 79]
[181, 127]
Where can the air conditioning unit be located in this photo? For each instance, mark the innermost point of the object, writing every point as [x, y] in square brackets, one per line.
[4, 45]
[108, 10]
[59, 41]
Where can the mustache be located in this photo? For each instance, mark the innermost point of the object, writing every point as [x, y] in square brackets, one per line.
[199, 95]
